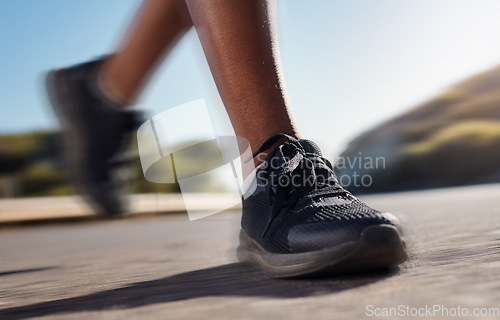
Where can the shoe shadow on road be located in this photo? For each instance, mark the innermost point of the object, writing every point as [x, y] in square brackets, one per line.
[225, 280]
[8, 273]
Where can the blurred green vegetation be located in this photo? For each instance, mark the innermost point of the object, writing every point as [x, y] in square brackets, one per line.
[32, 165]
[479, 133]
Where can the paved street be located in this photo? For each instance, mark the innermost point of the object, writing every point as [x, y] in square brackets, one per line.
[165, 267]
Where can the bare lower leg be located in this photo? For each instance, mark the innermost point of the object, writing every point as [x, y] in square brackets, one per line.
[156, 29]
[241, 45]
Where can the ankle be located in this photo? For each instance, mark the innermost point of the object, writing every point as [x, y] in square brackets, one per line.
[110, 87]
[248, 167]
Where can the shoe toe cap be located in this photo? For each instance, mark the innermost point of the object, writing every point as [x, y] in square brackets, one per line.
[320, 235]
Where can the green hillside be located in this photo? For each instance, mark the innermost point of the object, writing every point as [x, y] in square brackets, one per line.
[451, 140]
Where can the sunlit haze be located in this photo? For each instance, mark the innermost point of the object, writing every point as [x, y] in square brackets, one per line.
[349, 65]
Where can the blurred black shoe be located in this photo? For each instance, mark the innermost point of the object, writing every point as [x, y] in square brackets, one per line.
[297, 220]
[97, 132]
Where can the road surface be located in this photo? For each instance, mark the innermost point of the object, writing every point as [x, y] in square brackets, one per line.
[165, 267]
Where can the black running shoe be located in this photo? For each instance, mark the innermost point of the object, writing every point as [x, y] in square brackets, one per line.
[297, 220]
[96, 133]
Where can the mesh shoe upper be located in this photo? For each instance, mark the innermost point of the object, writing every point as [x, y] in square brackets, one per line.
[98, 132]
[314, 212]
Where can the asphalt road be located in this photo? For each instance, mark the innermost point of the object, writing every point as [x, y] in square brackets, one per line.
[166, 267]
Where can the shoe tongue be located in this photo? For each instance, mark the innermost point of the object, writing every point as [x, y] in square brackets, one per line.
[310, 147]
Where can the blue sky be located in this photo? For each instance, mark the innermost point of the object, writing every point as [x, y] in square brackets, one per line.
[349, 64]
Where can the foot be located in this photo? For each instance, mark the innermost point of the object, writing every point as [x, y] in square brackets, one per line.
[96, 133]
[297, 220]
